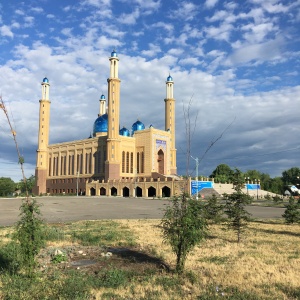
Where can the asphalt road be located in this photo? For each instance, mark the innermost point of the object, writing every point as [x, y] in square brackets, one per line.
[65, 209]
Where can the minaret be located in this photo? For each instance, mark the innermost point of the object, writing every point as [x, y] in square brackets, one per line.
[102, 105]
[43, 140]
[112, 164]
[170, 121]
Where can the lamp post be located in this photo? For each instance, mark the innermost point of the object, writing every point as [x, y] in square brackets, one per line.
[257, 184]
[247, 182]
[77, 183]
[197, 166]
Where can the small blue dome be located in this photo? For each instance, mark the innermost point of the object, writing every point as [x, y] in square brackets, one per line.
[102, 97]
[114, 54]
[138, 125]
[101, 124]
[169, 78]
[124, 131]
[46, 80]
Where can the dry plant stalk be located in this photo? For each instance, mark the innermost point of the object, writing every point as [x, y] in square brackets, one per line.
[14, 134]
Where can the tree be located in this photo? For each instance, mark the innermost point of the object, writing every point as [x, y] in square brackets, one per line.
[291, 176]
[222, 173]
[29, 184]
[253, 174]
[29, 233]
[235, 210]
[213, 210]
[292, 213]
[7, 186]
[184, 227]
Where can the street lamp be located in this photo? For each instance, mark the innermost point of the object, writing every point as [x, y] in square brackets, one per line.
[247, 182]
[257, 184]
[197, 166]
[77, 183]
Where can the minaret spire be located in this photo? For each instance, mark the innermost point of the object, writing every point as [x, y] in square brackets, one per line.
[170, 120]
[112, 164]
[43, 139]
[102, 105]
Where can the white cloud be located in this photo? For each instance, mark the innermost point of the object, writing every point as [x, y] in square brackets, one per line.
[37, 9]
[167, 26]
[210, 3]
[50, 16]
[258, 33]
[269, 50]
[129, 19]
[28, 21]
[189, 61]
[20, 12]
[153, 50]
[222, 32]
[186, 11]
[6, 31]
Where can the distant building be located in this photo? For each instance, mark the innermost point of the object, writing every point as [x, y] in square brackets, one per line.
[114, 161]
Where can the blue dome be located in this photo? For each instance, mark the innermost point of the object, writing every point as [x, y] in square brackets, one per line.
[169, 78]
[124, 131]
[102, 97]
[101, 124]
[46, 80]
[114, 54]
[138, 125]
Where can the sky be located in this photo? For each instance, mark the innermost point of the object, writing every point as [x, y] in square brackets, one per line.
[235, 66]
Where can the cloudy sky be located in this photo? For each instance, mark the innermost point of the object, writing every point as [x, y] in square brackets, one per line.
[235, 62]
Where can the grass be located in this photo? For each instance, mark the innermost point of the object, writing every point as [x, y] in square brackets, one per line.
[265, 265]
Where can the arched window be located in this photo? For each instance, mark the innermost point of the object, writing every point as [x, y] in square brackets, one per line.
[123, 161]
[131, 162]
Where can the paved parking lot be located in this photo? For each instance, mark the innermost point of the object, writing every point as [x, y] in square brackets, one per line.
[64, 209]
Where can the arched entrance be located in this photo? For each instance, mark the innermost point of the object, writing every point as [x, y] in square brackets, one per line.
[166, 191]
[161, 162]
[102, 191]
[93, 192]
[139, 192]
[113, 191]
[151, 192]
[125, 192]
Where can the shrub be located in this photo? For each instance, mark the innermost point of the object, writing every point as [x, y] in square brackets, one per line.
[29, 233]
[292, 213]
[184, 226]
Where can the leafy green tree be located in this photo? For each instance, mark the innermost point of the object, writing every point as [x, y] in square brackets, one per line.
[213, 210]
[184, 227]
[30, 182]
[235, 210]
[253, 174]
[29, 233]
[291, 176]
[223, 173]
[7, 186]
[292, 213]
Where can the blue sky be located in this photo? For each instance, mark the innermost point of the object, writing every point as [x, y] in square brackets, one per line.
[235, 62]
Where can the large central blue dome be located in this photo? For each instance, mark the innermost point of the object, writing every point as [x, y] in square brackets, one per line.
[138, 125]
[101, 124]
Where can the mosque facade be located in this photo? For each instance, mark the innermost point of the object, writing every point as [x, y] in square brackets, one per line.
[112, 161]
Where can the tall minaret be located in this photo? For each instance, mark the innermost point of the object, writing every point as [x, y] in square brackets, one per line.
[113, 161]
[102, 105]
[43, 140]
[170, 121]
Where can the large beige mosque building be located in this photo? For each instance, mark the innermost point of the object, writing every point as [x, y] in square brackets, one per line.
[113, 161]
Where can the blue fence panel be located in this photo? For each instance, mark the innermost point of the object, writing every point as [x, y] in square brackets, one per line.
[201, 185]
[252, 186]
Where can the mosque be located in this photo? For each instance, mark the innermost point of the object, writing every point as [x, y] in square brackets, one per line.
[115, 161]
